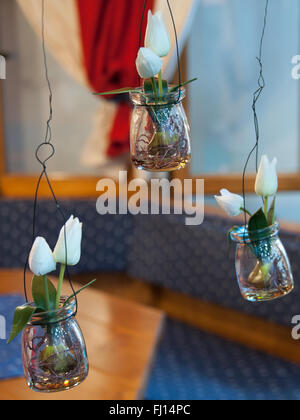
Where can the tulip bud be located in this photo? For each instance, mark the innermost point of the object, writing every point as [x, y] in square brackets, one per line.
[231, 203]
[266, 184]
[148, 64]
[41, 260]
[157, 37]
[70, 237]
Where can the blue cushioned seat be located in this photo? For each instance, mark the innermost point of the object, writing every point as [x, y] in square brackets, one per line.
[105, 238]
[193, 365]
[160, 250]
[195, 261]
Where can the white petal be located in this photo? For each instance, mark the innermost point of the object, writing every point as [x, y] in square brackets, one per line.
[70, 238]
[266, 184]
[41, 261]
[148, 64]
[157, 37]
[231, 203]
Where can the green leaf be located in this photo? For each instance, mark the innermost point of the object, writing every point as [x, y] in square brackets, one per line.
[118, 91]
[271, 213]
[39, 293]
[22, 316]
[149, 89]
[78, 291]
[257, 223]
[173, 89]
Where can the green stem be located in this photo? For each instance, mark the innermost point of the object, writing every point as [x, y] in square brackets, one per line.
[154, 86]
[265, 269]
[246, 211]
[79, 291]
[60, 283]
[266, 206]
[160, 84]
[47, 293]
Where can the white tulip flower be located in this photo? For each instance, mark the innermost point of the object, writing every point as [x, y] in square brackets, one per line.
[157, 37]
[70, 237]
[266, 184]
[41, 260]
[148, 64]
[231, 203]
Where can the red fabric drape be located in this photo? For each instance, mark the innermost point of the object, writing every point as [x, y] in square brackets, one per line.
[110, 37]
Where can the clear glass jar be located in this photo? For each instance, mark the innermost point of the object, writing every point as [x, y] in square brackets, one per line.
[54, 351]
[160, 133]
[262, 265]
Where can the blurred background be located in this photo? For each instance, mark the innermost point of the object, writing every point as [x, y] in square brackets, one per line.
[214, 344]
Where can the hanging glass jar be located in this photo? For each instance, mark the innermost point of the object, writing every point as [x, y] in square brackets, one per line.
[262, 265]
[54, 351]
[160, 133]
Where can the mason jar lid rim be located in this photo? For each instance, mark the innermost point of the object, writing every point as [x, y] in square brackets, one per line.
[70, 307]
[241, 233]
[176, 96]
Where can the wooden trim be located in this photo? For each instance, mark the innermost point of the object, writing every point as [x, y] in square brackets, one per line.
[2, 149]
[74, 187]
[17, 186]
[214, 183]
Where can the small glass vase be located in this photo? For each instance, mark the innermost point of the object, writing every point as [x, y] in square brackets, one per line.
[54, 351]
[262, 265]
[160, 133]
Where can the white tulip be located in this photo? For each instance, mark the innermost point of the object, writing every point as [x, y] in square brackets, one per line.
[266, 184]
[231, 203]
[157, 37]
[70, 237]
[41, 260]
[148, 64]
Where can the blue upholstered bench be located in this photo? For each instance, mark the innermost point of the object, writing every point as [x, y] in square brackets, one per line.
[194, 365]
[105, 238]
[160, 250]
[195, 261]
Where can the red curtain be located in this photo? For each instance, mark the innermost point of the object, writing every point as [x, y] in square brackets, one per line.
[110, 38]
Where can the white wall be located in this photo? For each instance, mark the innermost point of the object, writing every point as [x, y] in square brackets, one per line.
[26, 106]
[222, 52]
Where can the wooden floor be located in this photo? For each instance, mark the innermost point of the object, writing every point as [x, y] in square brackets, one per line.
[229, 324]
[121, 338]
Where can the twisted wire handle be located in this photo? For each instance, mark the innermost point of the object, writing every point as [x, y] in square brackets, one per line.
[50, 152]
[176, 40]
[256, 96]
